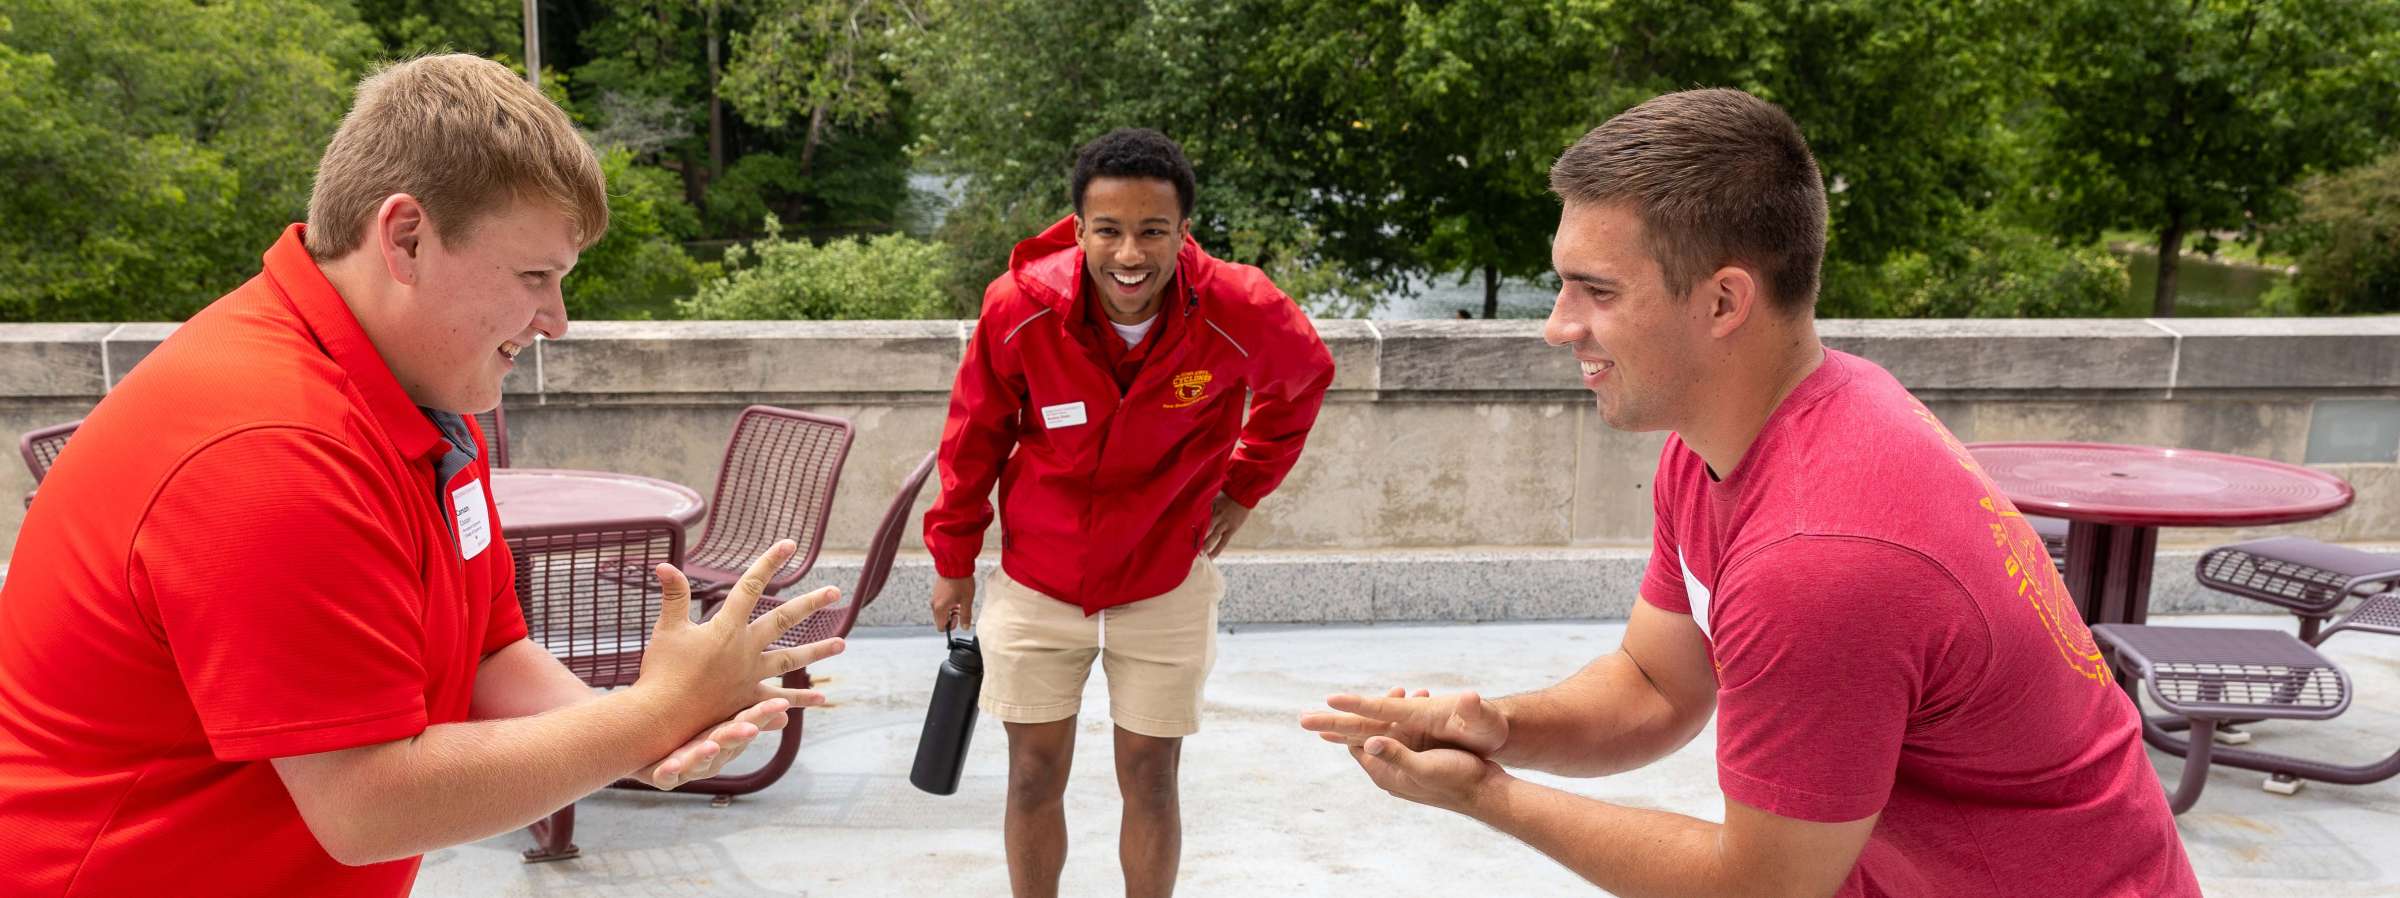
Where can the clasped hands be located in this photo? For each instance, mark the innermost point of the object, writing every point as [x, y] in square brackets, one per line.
[1431, 750]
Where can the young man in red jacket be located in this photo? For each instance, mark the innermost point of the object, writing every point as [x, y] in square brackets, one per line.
[1104, 391]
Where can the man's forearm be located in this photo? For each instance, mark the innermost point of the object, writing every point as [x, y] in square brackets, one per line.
[1631, 852]
[523, 679]
[455, 783]
[1605, 719]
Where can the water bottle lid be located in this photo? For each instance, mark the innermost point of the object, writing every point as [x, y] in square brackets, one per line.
[965, 654]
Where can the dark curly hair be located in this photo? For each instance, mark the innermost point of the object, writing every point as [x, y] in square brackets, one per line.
[1134, 153]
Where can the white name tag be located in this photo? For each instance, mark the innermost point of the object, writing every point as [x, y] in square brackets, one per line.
[1067, 415]
[474, 519]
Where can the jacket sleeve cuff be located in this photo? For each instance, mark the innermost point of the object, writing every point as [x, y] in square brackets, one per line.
[953, 551]
[953, 565]
[1245, 488]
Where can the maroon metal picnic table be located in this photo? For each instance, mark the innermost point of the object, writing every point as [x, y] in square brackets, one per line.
[2114, 498]
[551, 499]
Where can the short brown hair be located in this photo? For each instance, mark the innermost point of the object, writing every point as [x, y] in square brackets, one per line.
[1718, 177]
[462, 134]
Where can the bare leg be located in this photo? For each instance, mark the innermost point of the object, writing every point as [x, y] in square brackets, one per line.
[1150, 844]
[1036, 832]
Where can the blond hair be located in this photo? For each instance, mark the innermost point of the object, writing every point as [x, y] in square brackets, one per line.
[462, 134]
[1718, 177]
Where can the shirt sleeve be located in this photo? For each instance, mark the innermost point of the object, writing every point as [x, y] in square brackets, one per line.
[1824, 646]
[294, 633]
[1662, 578]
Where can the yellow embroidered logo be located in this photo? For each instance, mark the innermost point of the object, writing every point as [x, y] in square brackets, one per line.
[2024, 562]
[1190, 388]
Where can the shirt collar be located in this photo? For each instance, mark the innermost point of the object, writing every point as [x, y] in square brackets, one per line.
[328, 318]
[1170, 300]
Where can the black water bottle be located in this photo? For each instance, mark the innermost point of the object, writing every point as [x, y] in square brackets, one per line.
[949, 719]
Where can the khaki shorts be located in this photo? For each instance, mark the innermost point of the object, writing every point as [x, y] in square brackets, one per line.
[1037, 651]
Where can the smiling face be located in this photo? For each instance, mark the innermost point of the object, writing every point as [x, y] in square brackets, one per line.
[476, 302]
[1130, 230]
[1642, 350]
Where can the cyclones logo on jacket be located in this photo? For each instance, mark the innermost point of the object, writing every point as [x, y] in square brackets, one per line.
[1105, 497]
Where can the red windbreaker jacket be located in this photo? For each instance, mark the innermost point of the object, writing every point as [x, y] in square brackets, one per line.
[1105, 497]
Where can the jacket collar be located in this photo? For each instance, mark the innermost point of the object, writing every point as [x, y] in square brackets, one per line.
[1049, 268]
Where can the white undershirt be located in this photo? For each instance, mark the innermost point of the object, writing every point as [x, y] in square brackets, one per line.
[1133, 333]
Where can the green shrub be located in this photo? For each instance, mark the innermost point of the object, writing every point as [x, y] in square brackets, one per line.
[891, 276]
[2347, 240]
[1988, 269]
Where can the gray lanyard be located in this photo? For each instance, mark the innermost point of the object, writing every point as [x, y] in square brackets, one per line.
[460, 454]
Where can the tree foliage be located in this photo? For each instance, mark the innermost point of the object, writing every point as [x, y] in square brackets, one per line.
[640, 263]
[2347, 238]
[1974, 152]
[2182, 116]
[150, 165]
[491, 28]
[891, 276]
[1988, 269]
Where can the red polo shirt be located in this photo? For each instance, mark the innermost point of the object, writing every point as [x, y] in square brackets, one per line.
[246, 556]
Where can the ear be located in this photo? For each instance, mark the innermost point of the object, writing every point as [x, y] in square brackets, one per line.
[1079, 226]
[1734, 296]
[400, 232]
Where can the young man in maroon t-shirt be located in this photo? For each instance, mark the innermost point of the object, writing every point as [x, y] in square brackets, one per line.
[1907, 702]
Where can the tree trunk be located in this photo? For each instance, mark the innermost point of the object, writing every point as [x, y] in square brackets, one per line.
[2170, 252]
[1491, 291]
[808, 146]
[695, 190]
[716, 106]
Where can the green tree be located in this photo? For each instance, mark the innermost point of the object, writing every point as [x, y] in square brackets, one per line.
[1902, 102]
[488, 28]
[1463, 178]
[658, 76]
[858, 184]
[999, 85]
[645, 63]
[2184, 116]
[157, 146]
[822, 62]
[639, 267]
[2347, 239]
[819, 80]
[1008, 90]
[886, 277]
[1392, 138]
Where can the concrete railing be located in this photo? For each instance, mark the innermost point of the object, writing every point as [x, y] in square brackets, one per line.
[1458, 470]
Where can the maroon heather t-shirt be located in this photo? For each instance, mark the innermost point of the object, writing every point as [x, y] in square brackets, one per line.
[1890, 637]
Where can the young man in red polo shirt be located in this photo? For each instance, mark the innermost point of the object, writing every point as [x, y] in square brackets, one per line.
[1906, 701]
[261, 636]
[1104, 391]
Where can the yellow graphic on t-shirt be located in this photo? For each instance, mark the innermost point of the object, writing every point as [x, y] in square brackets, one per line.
[1190, 388]
[2028, 568]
